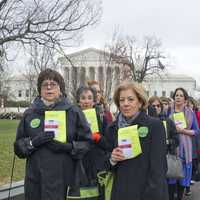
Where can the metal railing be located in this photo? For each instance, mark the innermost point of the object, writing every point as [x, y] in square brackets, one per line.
[16, 191]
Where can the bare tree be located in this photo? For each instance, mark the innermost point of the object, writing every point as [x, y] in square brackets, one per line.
[3, 73]
[145, 61]
[55, 24]
[112, 60]
[138, 60]
[74, 83]
[30, 76]
[1, 60]
[41, 58]
[109, 82]
[5, 90]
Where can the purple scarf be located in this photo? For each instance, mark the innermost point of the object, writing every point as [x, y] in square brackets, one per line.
[185, 146]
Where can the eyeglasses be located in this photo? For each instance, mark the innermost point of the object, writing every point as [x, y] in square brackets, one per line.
[98, 91]
[156, 105]
[52, 85]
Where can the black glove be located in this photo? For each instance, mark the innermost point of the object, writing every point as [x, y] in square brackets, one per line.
[59, 147]
[42, 138]
[23, 147]
[79, 149]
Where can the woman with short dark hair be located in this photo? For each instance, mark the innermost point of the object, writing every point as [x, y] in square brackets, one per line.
[51, 136]
[86, 99]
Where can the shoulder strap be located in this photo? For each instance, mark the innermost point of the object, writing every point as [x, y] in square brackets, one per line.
[80, 174]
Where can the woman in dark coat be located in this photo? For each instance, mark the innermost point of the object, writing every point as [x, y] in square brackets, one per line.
[95, 159]
[101, 104]
[172, 139]
[142, 175]
[50, 162]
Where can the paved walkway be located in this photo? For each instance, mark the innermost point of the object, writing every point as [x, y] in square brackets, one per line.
[195, 192]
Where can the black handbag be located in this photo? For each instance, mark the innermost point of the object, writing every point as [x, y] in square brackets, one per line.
[82, 189]
[175, 167]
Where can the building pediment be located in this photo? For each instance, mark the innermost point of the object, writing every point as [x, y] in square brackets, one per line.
[91, 57]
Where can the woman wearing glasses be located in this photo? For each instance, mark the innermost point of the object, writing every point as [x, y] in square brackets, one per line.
[172, 140]
[51, 134]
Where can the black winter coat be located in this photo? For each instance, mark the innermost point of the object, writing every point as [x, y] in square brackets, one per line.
[95, 160]
[49, 168]
[171, 135]
[142, 177]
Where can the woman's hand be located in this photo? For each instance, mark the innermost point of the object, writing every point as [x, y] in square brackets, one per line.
[185, 131]
[179, 129]
[117, 155]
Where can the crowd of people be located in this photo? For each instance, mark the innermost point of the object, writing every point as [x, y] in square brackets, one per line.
[54, 135]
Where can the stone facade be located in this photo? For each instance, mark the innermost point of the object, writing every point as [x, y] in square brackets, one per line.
[95, 64]
[91, 64]
[167, 83]
[18, 89]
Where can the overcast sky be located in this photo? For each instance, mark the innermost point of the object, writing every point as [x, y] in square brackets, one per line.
[175, 22]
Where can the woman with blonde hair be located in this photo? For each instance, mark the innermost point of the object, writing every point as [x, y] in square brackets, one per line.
[136, 143]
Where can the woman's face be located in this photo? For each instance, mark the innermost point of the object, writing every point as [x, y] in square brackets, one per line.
[179, 98]
[157, 106]
[98, 91]
[129, 103]
[86, 100]
[190, 105]
[165, 106]
[50, 90]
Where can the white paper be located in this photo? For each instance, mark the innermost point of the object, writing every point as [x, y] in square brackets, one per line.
[126, 147]
[51, 125]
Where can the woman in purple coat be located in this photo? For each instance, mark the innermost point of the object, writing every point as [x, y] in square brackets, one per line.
[187, 128]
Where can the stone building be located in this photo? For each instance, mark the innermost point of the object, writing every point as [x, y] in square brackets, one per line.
[92, 64]
[165, 84]
[18, 88]
[95, 64]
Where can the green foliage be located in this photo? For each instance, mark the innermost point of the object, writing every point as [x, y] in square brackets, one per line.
[7, 137]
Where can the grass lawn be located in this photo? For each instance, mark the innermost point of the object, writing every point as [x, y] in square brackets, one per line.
[7, 137]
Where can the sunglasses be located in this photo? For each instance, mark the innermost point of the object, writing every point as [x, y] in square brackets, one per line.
[156, 105]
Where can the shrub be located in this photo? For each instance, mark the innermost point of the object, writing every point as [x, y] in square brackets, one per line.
[11, 115]
[17, 104]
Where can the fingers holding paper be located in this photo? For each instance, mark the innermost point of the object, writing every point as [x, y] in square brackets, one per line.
[117, 155]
